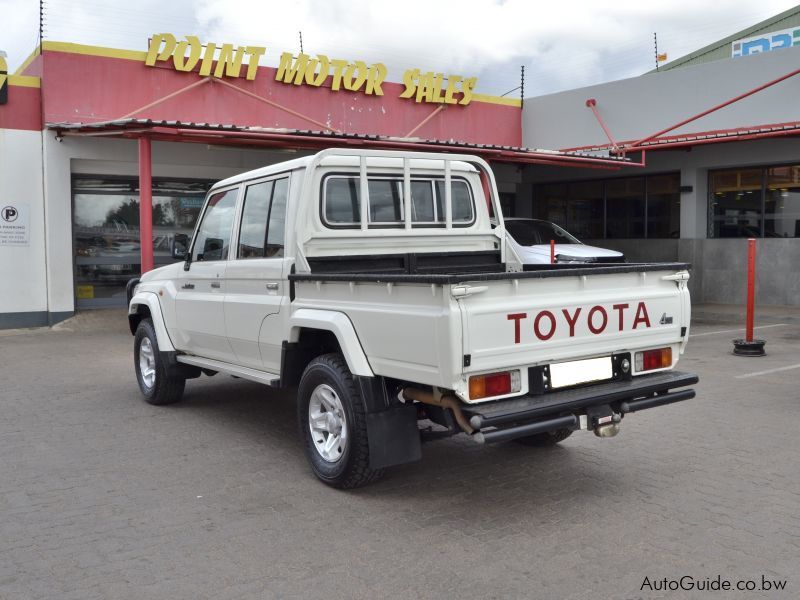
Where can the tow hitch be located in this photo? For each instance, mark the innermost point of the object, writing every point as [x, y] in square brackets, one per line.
[603, 420]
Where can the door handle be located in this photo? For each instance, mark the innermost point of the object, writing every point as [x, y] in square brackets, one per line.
[272, 285]
[187, 286]
[215, 284]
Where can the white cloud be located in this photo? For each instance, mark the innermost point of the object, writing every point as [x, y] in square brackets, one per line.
[562, 44]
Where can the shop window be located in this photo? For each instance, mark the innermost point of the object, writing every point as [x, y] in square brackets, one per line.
[664, 206]
[782, 202]
[106, 231]
[736, 203]
[625, 208]
[550, 203]
[584, 209]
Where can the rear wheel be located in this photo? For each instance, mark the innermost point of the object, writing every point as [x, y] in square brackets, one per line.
[157, 384]
[549, 438]
[333, 424]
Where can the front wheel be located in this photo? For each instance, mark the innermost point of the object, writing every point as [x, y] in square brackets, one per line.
[157, 384]
[333, 424]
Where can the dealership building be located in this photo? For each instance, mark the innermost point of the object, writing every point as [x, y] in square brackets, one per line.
[680, 164]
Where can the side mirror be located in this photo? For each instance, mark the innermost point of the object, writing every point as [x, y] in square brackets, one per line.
[179, 246]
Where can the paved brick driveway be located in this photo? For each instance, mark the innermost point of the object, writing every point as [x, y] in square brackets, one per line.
[104, 496]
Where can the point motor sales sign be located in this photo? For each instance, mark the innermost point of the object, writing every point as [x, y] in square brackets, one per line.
[209, 60]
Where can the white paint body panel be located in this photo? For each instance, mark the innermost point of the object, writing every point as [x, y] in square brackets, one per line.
[410, 330]
[151, 300]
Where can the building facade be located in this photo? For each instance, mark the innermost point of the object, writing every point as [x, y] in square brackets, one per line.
[87, 132]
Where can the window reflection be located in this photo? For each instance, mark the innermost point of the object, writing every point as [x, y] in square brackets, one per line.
[613, 208]
[106, 231]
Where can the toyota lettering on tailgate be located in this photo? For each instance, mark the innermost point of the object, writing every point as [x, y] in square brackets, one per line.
[546, 323]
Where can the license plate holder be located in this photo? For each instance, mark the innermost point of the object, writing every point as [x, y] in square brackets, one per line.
[580, 372]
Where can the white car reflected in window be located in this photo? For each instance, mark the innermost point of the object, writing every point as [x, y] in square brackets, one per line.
[530, 239]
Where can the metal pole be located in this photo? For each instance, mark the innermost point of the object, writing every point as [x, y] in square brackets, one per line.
[751, 287]
[552, 252]
[749, 346]
[655, 43]
[145, 204]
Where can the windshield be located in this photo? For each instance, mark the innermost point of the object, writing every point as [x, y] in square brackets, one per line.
[530, 232]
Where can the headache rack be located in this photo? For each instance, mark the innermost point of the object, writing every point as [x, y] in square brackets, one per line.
[488, 182]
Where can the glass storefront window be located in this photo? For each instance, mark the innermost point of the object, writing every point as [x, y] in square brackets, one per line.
[664, 206]
[736, 203]
[550, 203]
[782, 202]
[106, 231]
[625, 208]
[585, 209]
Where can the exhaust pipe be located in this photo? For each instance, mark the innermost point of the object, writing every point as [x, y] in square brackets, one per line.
[446, 401]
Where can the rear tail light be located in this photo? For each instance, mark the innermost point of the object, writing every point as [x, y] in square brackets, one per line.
[493, 384]
[648, 360]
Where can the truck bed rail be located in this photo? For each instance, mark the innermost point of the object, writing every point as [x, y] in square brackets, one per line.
[546, 271]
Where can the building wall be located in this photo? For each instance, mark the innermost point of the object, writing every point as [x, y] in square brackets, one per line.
[104, 156]
[23, 286]
[718, 264]
[638, 107]
[88, 84]
[722, 49]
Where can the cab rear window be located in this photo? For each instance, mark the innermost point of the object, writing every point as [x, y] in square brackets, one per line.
[341, 202]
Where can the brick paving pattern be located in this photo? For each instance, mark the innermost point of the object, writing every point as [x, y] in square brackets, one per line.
[104, 496]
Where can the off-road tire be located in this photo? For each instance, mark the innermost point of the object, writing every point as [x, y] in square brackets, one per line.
[542, 440]
[167, 387]
[352, 469]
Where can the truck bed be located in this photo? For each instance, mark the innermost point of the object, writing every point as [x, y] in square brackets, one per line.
[439, 328]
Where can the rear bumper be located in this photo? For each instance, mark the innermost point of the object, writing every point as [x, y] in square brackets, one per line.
[529, 415]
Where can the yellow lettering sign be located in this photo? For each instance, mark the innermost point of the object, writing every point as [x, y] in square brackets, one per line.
[227, 63]
[428, 87]
[354, 77]
[226, 60]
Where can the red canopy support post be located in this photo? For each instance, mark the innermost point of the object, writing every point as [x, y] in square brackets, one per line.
[748, 346]
[146, 204]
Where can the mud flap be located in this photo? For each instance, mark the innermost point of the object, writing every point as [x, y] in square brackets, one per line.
[393, 437]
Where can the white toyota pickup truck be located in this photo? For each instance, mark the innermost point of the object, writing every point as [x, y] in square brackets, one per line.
[379, 284]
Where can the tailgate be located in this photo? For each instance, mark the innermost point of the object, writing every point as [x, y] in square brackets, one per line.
[563, 317]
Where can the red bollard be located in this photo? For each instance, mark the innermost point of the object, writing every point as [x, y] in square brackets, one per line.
[751, 287]
[748, 346]
[552, 252]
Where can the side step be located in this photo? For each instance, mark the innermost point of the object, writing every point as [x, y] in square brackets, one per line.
[270, 379]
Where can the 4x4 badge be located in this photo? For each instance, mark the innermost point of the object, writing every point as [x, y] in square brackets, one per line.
[665, 320]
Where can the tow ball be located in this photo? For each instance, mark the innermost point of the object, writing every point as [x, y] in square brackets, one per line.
[607, 427]
[603, 421]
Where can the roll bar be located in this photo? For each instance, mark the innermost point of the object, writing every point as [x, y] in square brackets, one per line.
[363, 155]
